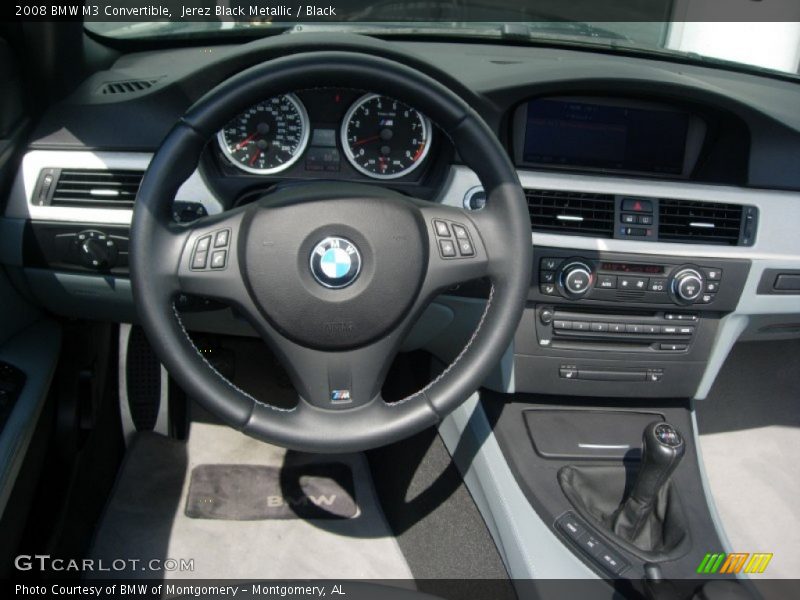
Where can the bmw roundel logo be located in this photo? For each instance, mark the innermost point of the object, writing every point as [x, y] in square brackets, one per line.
[335, 262]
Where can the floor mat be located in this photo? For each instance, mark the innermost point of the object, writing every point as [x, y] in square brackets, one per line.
[146, 517]
[750, 438]
[256, 492]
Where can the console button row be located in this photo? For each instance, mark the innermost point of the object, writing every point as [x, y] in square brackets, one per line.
[220, 240]
[455, 245]
[639, 328]
[629, 219]
[590, 544]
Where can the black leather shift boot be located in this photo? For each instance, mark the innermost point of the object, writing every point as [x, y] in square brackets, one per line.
[652, 533]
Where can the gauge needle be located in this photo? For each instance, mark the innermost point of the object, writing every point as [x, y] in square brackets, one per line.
[253, 160]
[365, 140]
[242, 144]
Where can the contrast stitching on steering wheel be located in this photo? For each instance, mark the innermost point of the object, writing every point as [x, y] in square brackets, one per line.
[220, 375]
[466, 347]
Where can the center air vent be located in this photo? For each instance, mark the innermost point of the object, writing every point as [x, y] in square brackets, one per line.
[128, 86]
[576, 213]
[88, 188]
[696, 222]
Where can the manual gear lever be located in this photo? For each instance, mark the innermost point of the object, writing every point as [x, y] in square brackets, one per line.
[662, 450]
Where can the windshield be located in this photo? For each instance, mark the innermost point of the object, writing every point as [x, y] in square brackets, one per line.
[757, 44]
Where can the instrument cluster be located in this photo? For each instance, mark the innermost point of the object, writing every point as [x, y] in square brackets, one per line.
[327, 131]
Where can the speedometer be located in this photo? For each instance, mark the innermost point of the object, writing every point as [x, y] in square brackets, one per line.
[384, 138]
[268, 137]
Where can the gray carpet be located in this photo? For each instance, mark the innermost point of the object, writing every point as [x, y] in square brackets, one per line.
[750, 440]
[146, 518]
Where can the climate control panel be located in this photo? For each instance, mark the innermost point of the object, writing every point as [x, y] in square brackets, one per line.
[610, 277]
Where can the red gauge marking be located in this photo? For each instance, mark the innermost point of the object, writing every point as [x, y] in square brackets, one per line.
[242, 144]
[365, 140]
[418, 153]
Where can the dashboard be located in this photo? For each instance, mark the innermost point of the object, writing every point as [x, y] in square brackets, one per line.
[663, 198]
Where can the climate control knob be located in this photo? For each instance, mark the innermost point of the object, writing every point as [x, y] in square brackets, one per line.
[687, 285]
[576, 279]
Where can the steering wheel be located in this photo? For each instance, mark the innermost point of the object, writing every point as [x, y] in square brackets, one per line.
[331, 275]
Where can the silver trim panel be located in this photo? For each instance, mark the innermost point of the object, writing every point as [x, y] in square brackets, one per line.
[20, 203]
[527, 544]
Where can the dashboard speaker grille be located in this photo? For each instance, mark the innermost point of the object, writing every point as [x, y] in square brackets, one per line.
[96, 188]
[576, 213]
[696, 222]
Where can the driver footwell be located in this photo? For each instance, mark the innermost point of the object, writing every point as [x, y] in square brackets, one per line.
[319, 518]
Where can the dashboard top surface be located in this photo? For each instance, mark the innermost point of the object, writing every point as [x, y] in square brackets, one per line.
[493, 78]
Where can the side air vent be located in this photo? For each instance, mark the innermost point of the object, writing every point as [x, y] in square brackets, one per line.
[89, 188]
[576, 213]
[694, 222]
[128, 86]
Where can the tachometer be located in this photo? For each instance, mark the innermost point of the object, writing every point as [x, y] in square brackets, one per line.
[384, 138]
[268, 137]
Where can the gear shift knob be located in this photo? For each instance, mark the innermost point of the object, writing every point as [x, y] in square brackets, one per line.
[662, 450]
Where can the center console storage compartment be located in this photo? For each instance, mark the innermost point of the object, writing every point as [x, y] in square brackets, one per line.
[594, 434]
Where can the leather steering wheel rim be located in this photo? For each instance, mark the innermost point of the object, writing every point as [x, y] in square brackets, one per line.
[161, 250]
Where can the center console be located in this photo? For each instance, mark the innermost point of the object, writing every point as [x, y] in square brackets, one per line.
[626, 325]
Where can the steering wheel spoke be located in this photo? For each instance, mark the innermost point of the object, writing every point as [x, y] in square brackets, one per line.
[340, 380]
[458, 250]
[209, 261]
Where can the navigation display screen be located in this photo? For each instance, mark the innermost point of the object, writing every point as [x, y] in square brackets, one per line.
[603, 136]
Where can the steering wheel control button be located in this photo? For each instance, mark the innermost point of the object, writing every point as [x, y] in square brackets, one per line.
[465, 248]
[209, 245]
[221, 239]
[456, 244]
[447, 248]
[203, 244]
[460, 232]
[335, 262]
[442, 230]
[199, 260]
[218, 259]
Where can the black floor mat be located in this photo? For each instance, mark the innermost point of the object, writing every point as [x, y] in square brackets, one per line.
[256, 492]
